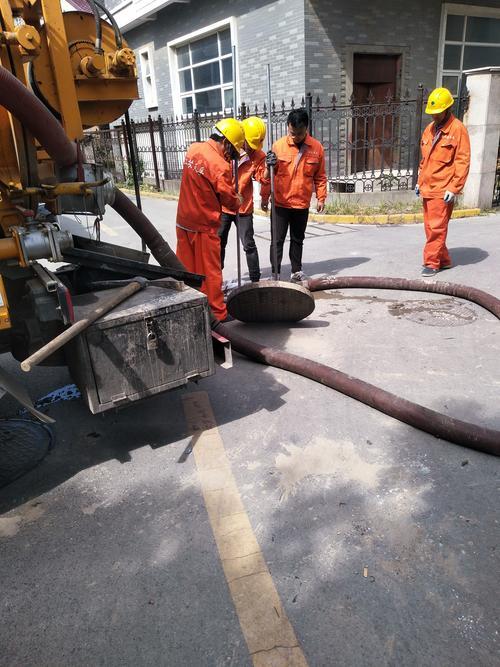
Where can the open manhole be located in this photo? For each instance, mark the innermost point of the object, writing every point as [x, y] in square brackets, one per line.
[439, 313]
[23, 444]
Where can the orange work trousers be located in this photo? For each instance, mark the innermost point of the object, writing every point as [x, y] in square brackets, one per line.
[437, 214]
[200, 253]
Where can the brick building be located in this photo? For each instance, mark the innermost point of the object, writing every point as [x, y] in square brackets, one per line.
[318, 46]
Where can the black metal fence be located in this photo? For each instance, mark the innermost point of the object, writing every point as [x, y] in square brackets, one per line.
[369, 145]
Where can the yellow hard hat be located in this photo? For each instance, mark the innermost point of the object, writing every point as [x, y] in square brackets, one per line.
[232, 129]
[255, 131]
[439, 100]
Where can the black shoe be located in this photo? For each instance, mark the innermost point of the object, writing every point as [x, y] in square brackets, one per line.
[429, 272]
[445, 266]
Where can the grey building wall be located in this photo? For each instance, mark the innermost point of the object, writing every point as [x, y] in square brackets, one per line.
[309, 43]
[334, 30]
[268, 31]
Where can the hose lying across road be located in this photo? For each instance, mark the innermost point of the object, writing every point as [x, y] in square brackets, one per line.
[454, 430]
[32, 114]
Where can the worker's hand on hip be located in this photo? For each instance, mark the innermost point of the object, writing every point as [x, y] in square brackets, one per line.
[417, 190]
[320, 206]
[449, 197]
[264, 204]
[271, 159]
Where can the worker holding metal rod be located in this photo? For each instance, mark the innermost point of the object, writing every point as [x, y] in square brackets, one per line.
[206, 186]
[299, 163]
[251, 167]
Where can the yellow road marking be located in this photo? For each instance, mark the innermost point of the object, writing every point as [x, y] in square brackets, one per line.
[268, 633]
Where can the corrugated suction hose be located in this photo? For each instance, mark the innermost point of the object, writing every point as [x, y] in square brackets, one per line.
[35, 117]
[454, 430]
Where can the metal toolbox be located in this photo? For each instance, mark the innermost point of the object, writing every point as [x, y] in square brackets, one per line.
[156, 340]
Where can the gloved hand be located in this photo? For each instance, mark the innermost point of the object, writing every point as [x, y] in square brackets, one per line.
[240, 197]
[449, 197]
[271, 159]
[417, 190]
[264, 204]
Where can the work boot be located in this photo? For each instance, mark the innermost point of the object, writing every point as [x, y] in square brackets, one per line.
[443, 267]
[298, 277]
[429, 272]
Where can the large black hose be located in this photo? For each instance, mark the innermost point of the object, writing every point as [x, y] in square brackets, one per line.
[160, 249]
[36, 118]
[31, 113]
[487, 301]
[454, 430]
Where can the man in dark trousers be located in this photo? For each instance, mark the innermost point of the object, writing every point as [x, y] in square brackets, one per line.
[299, 162]
[251, 167]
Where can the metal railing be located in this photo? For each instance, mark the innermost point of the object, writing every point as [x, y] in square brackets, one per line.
[369, 145]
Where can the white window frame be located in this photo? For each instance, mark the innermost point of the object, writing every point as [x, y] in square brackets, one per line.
[150, 97]
[462, 10]
[173, 45]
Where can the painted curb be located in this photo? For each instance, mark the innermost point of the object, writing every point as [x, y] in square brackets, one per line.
[382, 219]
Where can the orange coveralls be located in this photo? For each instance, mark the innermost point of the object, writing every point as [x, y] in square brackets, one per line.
[444, 166]
[251, 167]
[206, 186]
[297, 175]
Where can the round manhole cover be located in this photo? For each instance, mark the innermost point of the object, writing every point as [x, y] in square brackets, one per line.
[23, 444]
[440, 313]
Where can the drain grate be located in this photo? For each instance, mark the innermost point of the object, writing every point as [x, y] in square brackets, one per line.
[23, 444]
[440, 313]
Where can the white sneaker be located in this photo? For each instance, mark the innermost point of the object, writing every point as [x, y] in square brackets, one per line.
[298, 277]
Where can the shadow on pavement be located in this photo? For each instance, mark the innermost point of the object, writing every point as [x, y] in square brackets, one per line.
[465, 256]
[83, 440]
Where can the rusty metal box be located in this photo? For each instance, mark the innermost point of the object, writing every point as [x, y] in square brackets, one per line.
[156, 340]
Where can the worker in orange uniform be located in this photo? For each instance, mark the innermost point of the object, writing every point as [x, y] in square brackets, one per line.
[251, 166]
[442, 174]
[299, 162]
[206, 186]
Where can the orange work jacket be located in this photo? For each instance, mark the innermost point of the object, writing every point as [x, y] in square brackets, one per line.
[251, 166]
[206, 186]
[445, 162]
[299, 172]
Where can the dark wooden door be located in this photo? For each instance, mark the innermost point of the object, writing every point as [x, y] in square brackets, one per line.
[375, 79]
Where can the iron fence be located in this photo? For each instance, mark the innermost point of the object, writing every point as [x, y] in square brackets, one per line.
[369, 145]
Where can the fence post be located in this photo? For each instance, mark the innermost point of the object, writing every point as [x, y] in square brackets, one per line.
[153, 149]
[309, 109]
[243, 110]
[163, 149]
[135, 150]
[196, 118]
[418, 132]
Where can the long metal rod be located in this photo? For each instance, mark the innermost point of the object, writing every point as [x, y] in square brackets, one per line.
[135, 175]
[235, 172]
[271, 177]
[116, 298]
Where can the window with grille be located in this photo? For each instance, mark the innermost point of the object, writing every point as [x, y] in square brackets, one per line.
[205, 70]
[470, 42]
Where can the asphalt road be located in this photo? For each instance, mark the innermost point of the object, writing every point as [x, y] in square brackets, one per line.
[377, 544]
